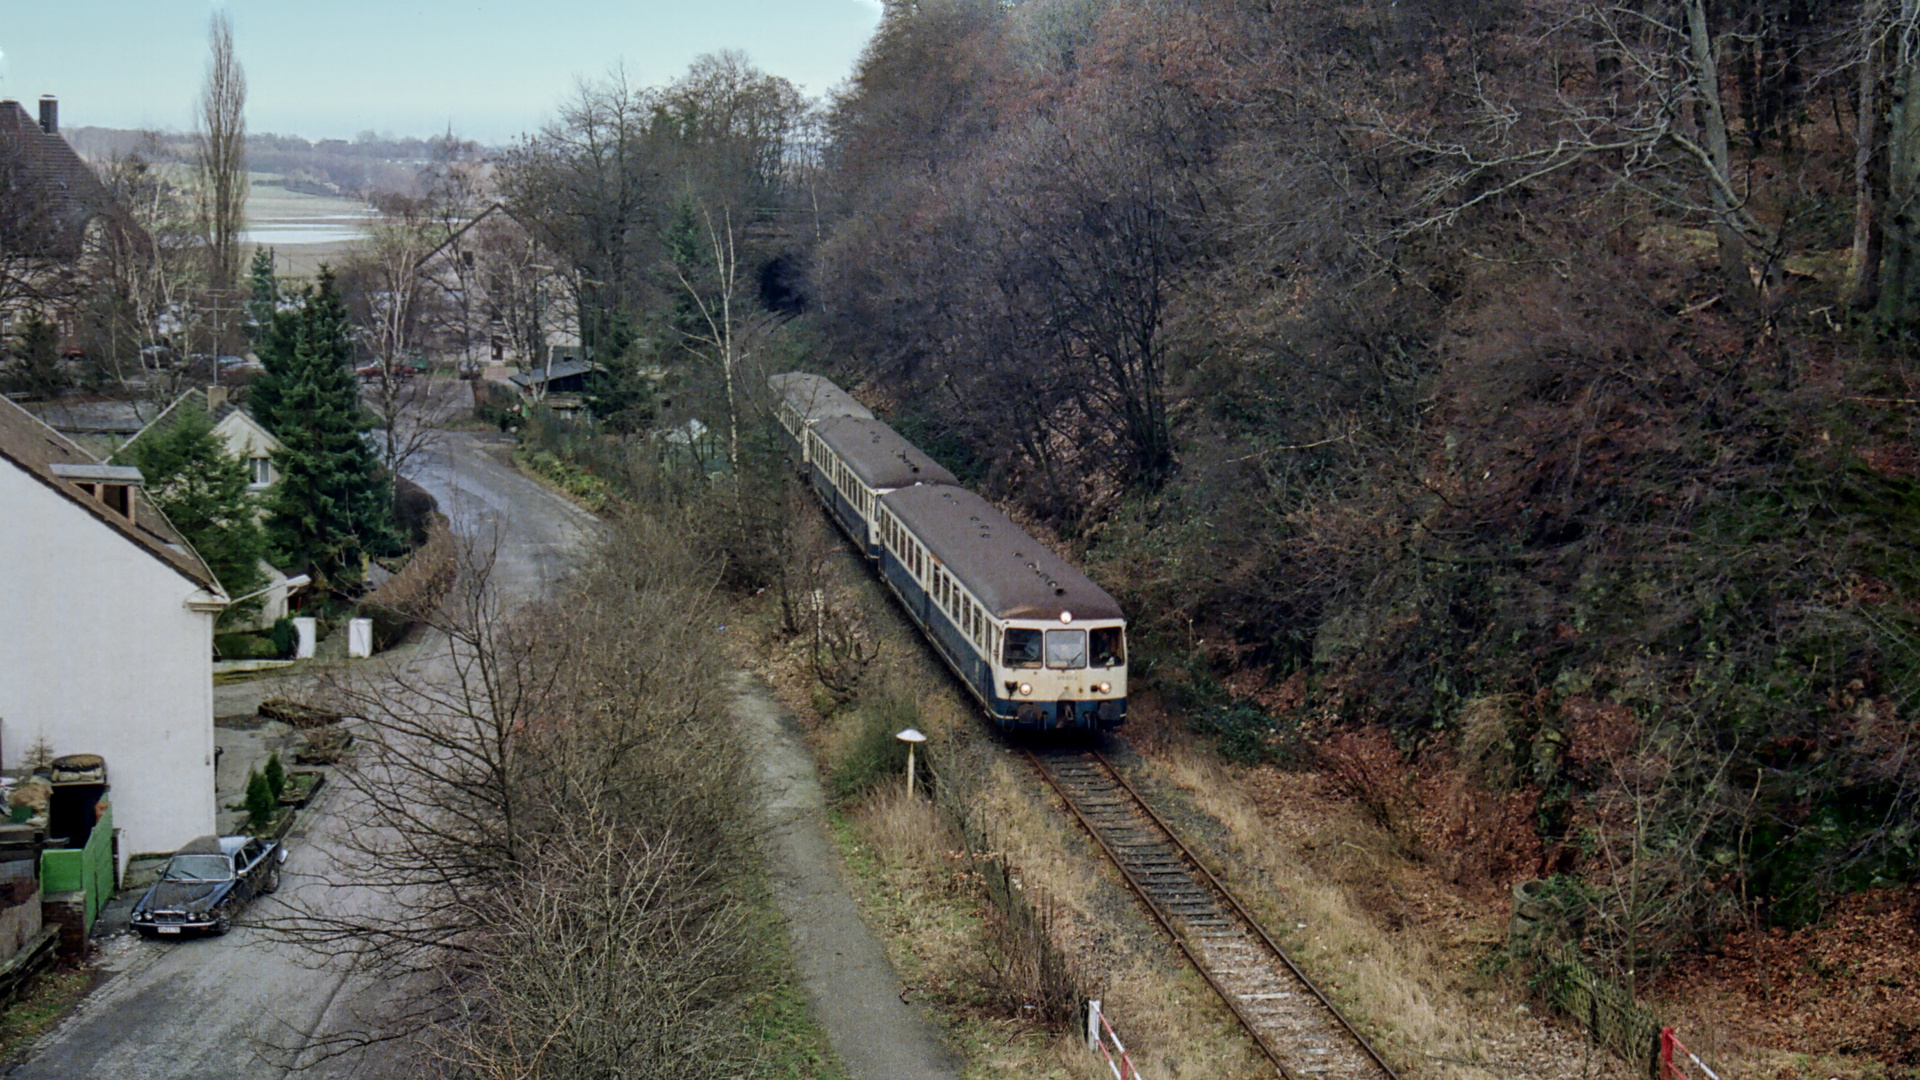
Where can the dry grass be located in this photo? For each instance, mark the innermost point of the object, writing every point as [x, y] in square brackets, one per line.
[1382, 939]
[919, 888]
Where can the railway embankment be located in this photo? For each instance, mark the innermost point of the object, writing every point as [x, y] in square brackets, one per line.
[1408, 956]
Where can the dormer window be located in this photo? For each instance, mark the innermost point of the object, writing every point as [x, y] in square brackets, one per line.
[111, 484]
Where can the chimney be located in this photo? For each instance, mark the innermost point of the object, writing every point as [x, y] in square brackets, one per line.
[216, 398]
[49, 114]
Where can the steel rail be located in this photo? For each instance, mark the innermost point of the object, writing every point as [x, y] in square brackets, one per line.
[1239, 911]
[1247, 917]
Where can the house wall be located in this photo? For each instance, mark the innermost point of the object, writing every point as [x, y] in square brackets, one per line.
[100, 654]
[245, 439]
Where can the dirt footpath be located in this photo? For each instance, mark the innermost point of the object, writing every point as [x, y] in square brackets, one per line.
[850, 986]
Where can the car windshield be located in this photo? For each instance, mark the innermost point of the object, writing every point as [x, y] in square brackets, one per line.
[1023, 648]
[1066, 648]
[198, 868]
[1109, 646]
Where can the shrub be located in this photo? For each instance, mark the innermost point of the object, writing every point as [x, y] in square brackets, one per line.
[261, 805]
[276, 777]
[876, 755]
[284, 637]
[413, 593]
[246, 647]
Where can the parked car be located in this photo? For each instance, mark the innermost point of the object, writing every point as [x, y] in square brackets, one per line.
[206, 883]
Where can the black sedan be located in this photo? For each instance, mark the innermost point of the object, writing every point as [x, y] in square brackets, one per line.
[206, 883]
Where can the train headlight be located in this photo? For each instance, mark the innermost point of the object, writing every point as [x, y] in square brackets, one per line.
[1026, 688]
[1103, 688]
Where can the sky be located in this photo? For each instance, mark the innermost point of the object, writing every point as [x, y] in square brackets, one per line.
[490, 68]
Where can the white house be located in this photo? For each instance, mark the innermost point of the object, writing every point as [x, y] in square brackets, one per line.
[106, 634]
[249, 440]
[245, 437]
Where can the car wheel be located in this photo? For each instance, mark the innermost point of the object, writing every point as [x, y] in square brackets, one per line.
[272, 884]
[223, 920]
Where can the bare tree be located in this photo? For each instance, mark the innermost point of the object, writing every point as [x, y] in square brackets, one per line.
[390, 295]
[220, 166]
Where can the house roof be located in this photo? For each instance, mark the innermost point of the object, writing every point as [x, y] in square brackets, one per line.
[561, 369]
[455, 235]
[196, 400]
[118, 418]
[46, 170]
[1013, 574]
[43, 453]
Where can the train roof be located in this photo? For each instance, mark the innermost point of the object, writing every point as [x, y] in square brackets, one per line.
[879, 455]
[815, 397]
[1014, 575]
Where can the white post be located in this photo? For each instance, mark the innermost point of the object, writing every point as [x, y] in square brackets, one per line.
[306, 629]
[1093, 1025]
[910, 737]
[360, 638]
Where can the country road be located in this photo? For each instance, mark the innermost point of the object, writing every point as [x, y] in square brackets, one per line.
[219, 1008]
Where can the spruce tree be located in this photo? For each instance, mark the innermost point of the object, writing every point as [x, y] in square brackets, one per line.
[264, 299]
[276, 775]
[333, 501]
[38, 350]
[202, 490]
[260, 804]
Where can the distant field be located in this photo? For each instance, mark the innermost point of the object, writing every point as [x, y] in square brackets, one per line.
[303, 230]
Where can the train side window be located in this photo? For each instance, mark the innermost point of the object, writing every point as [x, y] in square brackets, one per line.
[1108, 646]
[1023, 648]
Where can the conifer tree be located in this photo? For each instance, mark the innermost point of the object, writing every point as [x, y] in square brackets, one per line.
[264, 299]
[202, 490]
[333, 501]
[39, 357]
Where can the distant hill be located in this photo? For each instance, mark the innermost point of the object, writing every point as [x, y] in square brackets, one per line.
[361, 167]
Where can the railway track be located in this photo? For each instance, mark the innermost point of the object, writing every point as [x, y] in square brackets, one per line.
[1298, 1029]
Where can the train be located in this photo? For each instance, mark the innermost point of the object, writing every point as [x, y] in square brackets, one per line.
[1036, 643]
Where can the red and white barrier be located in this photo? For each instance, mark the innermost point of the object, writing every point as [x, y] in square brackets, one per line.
[1669, 1042]
[1099, 1033]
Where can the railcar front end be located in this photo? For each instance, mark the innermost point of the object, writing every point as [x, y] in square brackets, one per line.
[1061, 675]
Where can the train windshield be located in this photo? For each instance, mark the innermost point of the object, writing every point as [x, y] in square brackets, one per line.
[1109, 646]
[1066, 648]
[1023, 648]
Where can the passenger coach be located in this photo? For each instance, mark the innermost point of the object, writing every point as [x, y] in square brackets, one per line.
[1036, 640]
[853, 461]
[802, 400]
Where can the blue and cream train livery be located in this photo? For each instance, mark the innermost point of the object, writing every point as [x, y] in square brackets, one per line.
[1035, 640]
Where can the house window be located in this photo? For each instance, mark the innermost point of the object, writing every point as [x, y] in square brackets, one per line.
[262, 471]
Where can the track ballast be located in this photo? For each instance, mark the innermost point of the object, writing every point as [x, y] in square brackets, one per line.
[1298, 1029]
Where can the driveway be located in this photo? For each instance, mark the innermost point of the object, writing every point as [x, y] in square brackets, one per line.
[217, 1008]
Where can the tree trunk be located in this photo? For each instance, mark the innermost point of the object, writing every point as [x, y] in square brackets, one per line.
[1870, 163]
[1900, 253]
[1734, 255]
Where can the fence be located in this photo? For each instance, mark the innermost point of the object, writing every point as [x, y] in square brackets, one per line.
[1669, 1042]
[87, 870]
[1099, 1033]
[1610, 1015]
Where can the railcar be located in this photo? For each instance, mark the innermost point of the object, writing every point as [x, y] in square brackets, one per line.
[802, 400]
[1034, 639]
[852, 462]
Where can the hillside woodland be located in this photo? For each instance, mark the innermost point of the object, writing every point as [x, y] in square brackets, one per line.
[1520, 389]
[1504, 407]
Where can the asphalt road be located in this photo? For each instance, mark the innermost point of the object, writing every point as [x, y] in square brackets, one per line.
[232, 1007]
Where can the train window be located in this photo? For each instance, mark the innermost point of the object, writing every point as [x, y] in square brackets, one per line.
[1023, 648]
[1066, 648]
[1108, 646]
